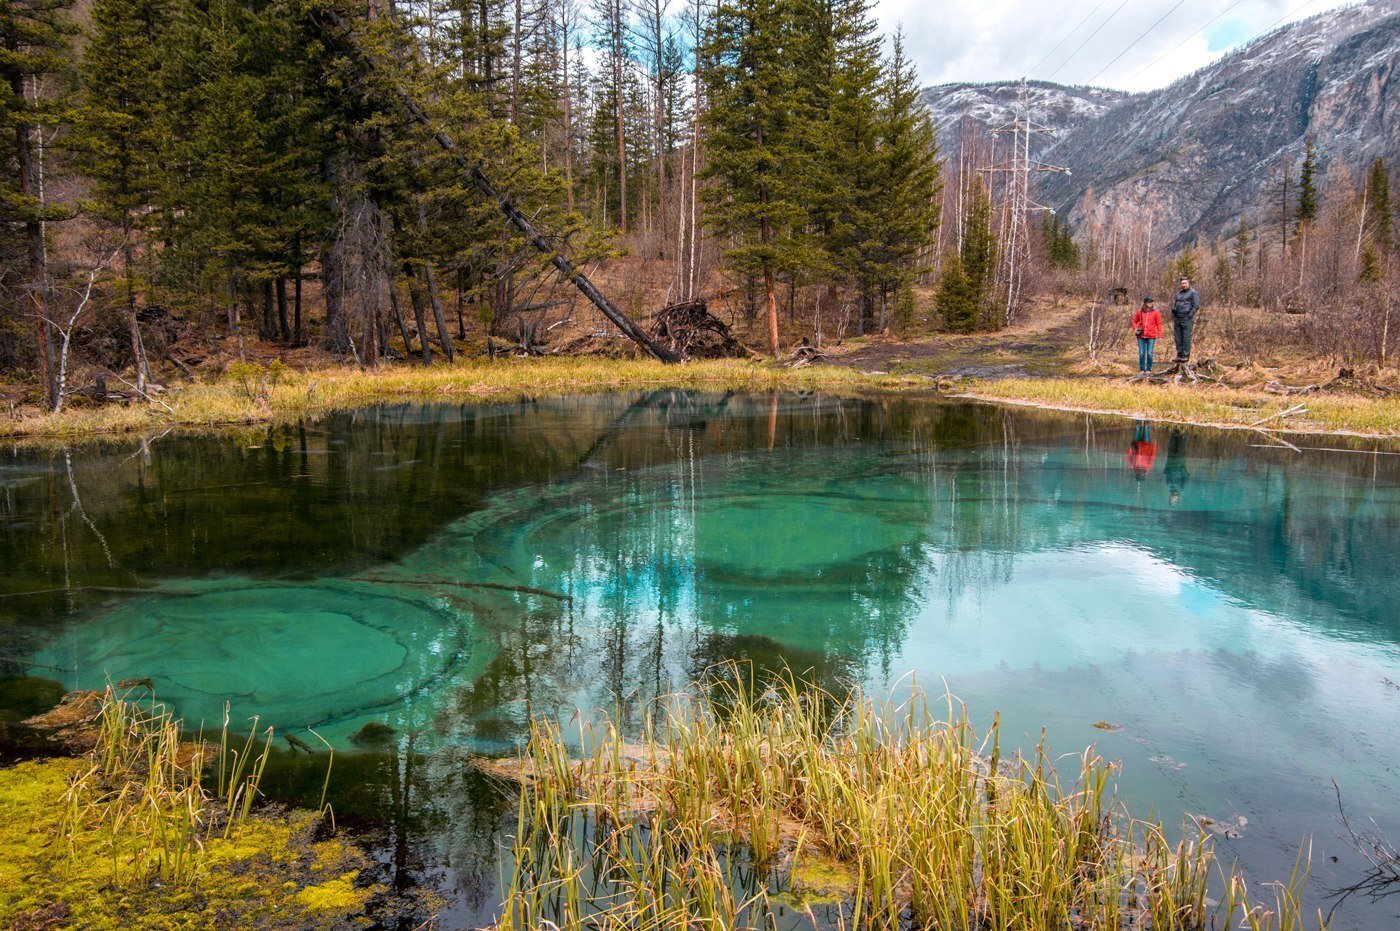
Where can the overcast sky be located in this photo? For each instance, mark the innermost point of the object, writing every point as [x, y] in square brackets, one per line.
[990, 40]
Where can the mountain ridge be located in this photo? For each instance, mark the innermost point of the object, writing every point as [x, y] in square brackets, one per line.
[1190, 157]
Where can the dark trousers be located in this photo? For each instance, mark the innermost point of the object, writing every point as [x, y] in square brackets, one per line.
[1181, 331]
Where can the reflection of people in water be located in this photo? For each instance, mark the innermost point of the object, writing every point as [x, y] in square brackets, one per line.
[1175, 470]
[1142, 452]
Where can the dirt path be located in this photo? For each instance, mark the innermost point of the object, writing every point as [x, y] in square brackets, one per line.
[1046, 345]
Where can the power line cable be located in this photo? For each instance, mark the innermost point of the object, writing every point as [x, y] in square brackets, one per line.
[1088, 39]
[1130, 45]
[1282, 19]
[1160, 58]
[1067, 35]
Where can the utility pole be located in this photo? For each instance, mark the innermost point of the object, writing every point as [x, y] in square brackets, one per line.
[1016, 248]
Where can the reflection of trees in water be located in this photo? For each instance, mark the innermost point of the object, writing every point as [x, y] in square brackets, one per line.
[430, 818]
[663, 589]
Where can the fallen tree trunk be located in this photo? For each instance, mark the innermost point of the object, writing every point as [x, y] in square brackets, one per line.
[503, 200]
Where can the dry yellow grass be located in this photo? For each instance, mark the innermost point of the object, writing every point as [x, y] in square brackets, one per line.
[253, 394]
[1212, 405]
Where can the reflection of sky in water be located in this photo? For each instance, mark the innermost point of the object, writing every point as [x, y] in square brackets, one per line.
[1238, 640]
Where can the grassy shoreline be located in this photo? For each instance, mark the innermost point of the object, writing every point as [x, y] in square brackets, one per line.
[1216, 406]
[252, 395]
[257, 395]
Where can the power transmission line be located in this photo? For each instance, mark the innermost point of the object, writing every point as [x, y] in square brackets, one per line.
[1088, 39]
[1130, 45]
[1282, 19]
[1019, 168]
[1160, 58]
[1066, 36]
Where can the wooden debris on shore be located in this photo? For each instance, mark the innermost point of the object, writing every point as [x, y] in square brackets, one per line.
[690, 330]
[805, 354]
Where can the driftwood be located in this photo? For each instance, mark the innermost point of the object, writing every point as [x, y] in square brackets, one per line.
[805, 354]
[1295, 409]
[455, 583]
[692, 332]
[1275, 387]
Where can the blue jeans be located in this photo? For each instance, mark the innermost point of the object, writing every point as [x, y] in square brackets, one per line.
[1145, 354]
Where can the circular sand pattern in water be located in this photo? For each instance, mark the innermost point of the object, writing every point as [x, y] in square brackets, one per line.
[297, 655]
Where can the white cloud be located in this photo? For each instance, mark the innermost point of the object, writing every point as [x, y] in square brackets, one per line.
[1006, 39]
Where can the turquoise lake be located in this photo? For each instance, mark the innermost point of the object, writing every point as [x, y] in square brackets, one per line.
[1218, 611]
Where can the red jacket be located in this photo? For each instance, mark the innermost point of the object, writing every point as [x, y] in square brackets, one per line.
[1141, 455]
[1148, 323]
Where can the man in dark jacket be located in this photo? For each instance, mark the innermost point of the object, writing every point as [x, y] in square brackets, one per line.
[1184, 309]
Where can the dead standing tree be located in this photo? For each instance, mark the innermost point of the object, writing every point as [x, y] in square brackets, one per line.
[479, 180]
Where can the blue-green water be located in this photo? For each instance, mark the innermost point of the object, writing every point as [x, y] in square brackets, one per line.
[1231, 610]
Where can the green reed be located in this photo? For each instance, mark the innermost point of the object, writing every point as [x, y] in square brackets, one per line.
[735, 787]
[144, 791]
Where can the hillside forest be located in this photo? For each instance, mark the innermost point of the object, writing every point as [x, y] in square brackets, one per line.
[179, 178]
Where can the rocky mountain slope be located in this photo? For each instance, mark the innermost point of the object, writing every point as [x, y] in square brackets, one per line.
[1193, 156]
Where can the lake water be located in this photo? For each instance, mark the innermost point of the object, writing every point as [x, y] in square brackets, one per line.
[1228, 606]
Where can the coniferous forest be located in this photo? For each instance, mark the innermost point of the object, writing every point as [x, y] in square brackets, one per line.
[256, 167]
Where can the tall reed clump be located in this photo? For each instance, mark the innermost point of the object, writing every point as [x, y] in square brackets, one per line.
[717, 813]
[143, 790]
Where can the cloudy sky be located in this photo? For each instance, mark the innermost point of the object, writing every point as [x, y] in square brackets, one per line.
[987, 40]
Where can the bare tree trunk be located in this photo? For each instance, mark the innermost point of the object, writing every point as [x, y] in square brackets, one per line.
[296, 303]
[398, 318]
[415, 297]
[283, 329]
[444, 338]
[566, 35]
[31, 187]
[771, 302]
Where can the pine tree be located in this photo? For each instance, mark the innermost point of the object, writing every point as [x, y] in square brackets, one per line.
[757, 119]
[1307, 185]
[1379, 211]
[841, 66]
[121, 134]
[957, 302]
[1061, 249]
[979, 248]
[906, 198]
[34, 56]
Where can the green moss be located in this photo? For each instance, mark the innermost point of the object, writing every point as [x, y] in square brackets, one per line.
[336, 895]
[818, 879]
[271, 872]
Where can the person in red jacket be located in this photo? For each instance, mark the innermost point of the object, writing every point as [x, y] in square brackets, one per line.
[1142, 452]
[1147, 324]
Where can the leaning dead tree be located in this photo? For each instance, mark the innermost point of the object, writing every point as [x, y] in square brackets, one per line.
[513, 213]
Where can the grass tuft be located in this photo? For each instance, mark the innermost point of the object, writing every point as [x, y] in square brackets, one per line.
[133, 835]
[740, 801]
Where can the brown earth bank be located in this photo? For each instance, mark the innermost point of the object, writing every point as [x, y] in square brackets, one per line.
[1252, 369]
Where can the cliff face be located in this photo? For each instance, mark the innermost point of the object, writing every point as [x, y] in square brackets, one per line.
[1189, 158]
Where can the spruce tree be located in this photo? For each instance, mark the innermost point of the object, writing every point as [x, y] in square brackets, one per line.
[979, 248]
[957, 301]
[1380, 209]
[904, 203]
[121, 135]
[1307, 185]
[757, 120]
[843, 69]
[35, 51]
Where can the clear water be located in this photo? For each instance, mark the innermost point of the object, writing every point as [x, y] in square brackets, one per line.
[1230, 610]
